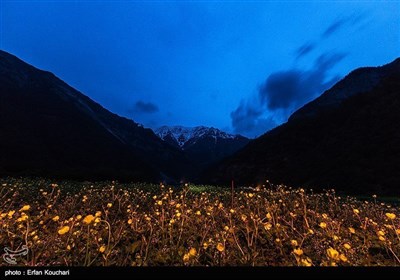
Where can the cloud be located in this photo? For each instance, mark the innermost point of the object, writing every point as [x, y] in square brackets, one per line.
[333, 28]
[281, 89]
[304, 50]
[282, 93]
[247, 119]
[292, 88]
[338, 24]
[145, 107]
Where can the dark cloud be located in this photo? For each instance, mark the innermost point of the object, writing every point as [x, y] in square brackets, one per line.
[283, 92]
[340, 23]
[333, 28]
[281, 89]
[145, 107]
[292, 88]
[244, 117]
[304, 50]
[247, 119]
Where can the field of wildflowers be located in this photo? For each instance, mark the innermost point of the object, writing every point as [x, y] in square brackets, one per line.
[109, 223]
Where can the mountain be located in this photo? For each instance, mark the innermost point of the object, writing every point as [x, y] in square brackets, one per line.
[205, 145]
[50, 129]
[347, 139]
[358, 81]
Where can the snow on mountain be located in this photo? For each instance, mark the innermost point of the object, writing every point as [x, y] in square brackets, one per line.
[182, 135]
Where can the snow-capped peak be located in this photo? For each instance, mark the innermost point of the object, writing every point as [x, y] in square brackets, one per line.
[183, 134]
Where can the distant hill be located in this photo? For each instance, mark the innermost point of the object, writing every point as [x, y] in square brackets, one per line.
[50, 129]
[204, 145]
[348, 139]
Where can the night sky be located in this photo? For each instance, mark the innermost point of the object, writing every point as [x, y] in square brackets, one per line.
[243, 67]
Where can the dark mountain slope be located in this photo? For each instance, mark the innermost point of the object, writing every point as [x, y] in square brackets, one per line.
[353, 146]
[50, 129]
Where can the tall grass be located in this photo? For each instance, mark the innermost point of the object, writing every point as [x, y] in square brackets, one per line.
[148, 225]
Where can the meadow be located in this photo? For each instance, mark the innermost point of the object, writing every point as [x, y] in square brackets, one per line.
[110, 223]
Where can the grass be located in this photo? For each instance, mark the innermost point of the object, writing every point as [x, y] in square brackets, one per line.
[107, 223]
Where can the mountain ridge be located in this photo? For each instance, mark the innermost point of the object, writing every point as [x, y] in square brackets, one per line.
[206, 145]
[353, 146]
[360, 80]
[183, 134]
[47, 110]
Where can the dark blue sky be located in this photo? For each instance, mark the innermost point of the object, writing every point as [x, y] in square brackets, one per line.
[239, 66]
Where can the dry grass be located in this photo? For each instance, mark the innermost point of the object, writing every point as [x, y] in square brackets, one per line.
[147, 225]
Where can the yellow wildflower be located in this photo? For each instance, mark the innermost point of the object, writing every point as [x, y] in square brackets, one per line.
[102, 249]
[306, 262]
[198, 213]
[310, 231]
[25, 208]
[298, 252]
[220, 247]
[98, 214]
[343, 258]
[186, 257]
[332, 253]
[335, 237]
[97, 220]
[269, 217]
[56, 218]
[356, 211]
[381, 238]
[226, 228]
[391, 216]
[130, 221]
[63, 230]
[68, 247]
[251, 195]
[159, 202]
[294, 243]
[109, 205]
[88, 219]
[267, 226]
[322, 225]
[22, 218]
[347, 246]
[192, 252]
[10, 214]
[381, 233]
[205, 245]
[352, 230]
[232, 211]
[78, 217]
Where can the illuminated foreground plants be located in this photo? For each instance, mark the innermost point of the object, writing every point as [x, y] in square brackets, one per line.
[147, 225]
